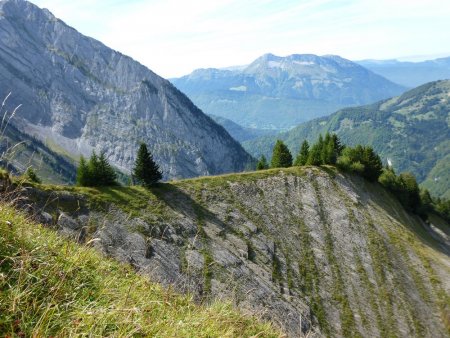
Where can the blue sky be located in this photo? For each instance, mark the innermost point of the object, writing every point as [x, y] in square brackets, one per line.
[174, 37]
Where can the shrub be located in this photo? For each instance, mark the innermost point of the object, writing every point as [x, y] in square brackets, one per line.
[31, 175]
[362, 160]
[262, 163]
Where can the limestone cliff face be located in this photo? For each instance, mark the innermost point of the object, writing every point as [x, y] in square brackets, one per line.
[311, 249]
[78, 95]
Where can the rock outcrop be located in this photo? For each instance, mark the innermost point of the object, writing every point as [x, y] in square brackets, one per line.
[78, 95]
[310, 249]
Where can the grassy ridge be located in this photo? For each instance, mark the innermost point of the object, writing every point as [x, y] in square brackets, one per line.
[53, 287]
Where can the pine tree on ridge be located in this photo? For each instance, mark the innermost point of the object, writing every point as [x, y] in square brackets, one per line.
[145, 170]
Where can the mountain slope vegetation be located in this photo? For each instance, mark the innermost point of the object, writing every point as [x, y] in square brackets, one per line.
[53, 287]
[410, 131]
[309, 248]
[276, 92]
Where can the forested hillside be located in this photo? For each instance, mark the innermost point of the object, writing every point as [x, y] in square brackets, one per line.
[410, 131]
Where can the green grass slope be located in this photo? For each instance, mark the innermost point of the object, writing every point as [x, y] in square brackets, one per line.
[53, 287]
[313, 238]
[411, 130]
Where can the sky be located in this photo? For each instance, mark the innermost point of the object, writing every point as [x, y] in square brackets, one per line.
[174, 37]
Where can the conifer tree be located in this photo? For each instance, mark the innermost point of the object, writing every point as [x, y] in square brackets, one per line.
[262, 163]
[315, 154]
[83, 173]
[325, 150]
[372, 163]
[303, 154]
[93, 164]
[281, 156]
[106, 174]
[320, 142]
[145, 170]
[337, 144]
[96, 172]
[331, 149]
[410, 192]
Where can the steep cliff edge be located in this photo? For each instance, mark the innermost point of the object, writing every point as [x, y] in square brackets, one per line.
[78, 95]
[309, 248]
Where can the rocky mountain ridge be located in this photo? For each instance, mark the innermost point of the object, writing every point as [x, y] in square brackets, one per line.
[315, 251]
[280, 92]
[78, 95]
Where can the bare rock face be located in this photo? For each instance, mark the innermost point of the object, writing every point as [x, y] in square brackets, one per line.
[78, 95]
[314, 251]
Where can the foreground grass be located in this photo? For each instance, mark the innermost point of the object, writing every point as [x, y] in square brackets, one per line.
[53, 287]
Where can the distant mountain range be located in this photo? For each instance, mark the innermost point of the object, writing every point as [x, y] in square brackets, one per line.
[411, 131]
[280, 92]
[78, 95]
[410, 74]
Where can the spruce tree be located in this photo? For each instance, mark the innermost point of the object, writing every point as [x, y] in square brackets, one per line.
[262, 163]
[410, 192]
[338, 147]
[281, 156]
[96, 172]
[325, 151]
[331, 149]
[372, 163]
[315, 155]
[145, 170]
[303, 154]
[107, 175]
[83, 173]
[93, 165]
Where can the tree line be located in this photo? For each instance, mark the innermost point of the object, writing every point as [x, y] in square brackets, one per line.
[363, 161]
[98, 172]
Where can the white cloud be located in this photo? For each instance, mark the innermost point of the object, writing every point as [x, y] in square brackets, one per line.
[173, 37]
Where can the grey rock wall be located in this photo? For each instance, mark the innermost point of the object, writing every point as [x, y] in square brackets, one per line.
[78, 95]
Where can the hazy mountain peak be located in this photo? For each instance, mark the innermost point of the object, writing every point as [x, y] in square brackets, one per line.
[410, 74]
[275, 92]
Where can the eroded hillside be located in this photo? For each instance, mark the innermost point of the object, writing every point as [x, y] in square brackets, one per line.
[310, 249]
